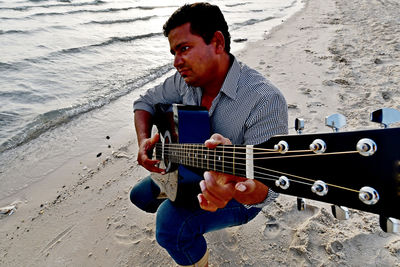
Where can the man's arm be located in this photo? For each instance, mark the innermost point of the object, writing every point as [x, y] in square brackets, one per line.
[146, 143]
[217, 188]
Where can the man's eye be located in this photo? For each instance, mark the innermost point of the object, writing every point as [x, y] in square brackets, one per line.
[184, 48]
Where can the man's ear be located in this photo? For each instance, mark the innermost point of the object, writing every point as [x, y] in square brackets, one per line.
[219, 41]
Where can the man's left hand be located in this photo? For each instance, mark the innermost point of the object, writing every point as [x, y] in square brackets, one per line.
[219, 188]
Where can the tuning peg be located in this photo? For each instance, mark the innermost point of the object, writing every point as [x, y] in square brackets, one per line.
[340, 212]
[301, 204]
[335, 121]
[389, 225]
[299, 125]
[385, 116]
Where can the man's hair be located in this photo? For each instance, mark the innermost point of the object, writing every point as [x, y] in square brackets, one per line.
[205, 19]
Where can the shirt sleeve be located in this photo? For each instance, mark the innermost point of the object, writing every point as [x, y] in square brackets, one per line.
[270, 119]
[168, 92]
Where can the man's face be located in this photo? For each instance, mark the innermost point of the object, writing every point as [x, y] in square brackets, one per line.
[194, 59]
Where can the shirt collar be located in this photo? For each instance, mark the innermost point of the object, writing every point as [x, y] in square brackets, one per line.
[229, 87]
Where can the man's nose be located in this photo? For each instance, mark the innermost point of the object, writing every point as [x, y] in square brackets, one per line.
[178, 61]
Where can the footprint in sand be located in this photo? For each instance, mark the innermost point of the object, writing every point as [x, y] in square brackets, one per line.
[128, 239]
[229, 239]
[271, 230]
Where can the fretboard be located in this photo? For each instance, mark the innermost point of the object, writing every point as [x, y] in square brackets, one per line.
[229, 159]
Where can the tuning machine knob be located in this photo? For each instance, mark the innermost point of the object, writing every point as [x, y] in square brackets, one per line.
[283, 182]
[389, 225]
[335, 121]
[368, 195]
[318, 146]
[301, 204]
[299, 125]
[320, 188]
[385, 116]
[340, 212]
[282, 147]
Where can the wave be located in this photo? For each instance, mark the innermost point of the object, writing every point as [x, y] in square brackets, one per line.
[251, 22]
[110, 41]
[22, 32]
[237, 4]
[126, 39]
[68, 4]
[73, 50]
[106, 22]
[13, 32]
[107, 10]
[7, 66]
[294, 2]
[7, 118]
[54, 118]
[72, 12]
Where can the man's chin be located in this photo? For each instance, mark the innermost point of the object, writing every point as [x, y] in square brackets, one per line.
[189, 81]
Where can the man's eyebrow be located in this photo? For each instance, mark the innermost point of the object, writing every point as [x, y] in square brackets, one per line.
[173, 49]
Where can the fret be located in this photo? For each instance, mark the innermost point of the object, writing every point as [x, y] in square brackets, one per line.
[191, 155]
[187, 154]
[223, 158]
[195, 160]
[196, 155]
[180, 152]
[188, 157]
[219, 160]
[185, 159]
[228, 159]
[215, 159]
[202, 157]
[208, 158]
[175, 153]
[233, 161]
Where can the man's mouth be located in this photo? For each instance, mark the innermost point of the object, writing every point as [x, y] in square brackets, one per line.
[183, 72]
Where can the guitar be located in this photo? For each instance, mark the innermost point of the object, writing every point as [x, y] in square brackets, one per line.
[357, 169]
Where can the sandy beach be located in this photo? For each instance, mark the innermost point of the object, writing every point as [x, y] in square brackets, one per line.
[331, 57]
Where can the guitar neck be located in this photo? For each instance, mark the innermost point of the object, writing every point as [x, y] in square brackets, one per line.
[230, 159]
[341, 172]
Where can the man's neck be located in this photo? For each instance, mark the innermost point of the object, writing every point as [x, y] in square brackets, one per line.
[210, 91]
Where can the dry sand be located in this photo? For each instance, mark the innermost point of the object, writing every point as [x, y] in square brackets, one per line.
[333, 56]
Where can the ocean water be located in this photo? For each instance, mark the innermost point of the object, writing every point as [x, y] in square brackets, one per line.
[70, 69]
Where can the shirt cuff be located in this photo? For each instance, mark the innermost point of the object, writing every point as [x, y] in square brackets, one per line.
[270, 197]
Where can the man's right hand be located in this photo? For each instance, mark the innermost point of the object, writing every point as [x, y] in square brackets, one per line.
[145, 148]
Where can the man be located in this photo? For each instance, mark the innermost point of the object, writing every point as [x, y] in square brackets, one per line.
[244, 108]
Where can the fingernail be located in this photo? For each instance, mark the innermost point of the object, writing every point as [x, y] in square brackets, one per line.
[202, 186]
[207, 175]
[212, 141]
[199, 198]
[241, 187]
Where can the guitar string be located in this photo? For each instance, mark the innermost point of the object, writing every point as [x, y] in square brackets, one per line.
[264, 176]
[275, 152]
[189, 151]
[230, 149]
[218, 164]
[192, 146]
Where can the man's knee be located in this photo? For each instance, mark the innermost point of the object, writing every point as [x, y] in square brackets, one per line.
[144, 195]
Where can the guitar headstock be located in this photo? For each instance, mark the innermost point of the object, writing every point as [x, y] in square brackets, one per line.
[357, 169]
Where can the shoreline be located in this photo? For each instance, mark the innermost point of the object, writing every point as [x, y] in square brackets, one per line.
[85, 217]
[78, 141]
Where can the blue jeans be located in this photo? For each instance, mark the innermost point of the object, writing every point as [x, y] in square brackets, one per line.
[180, 229]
